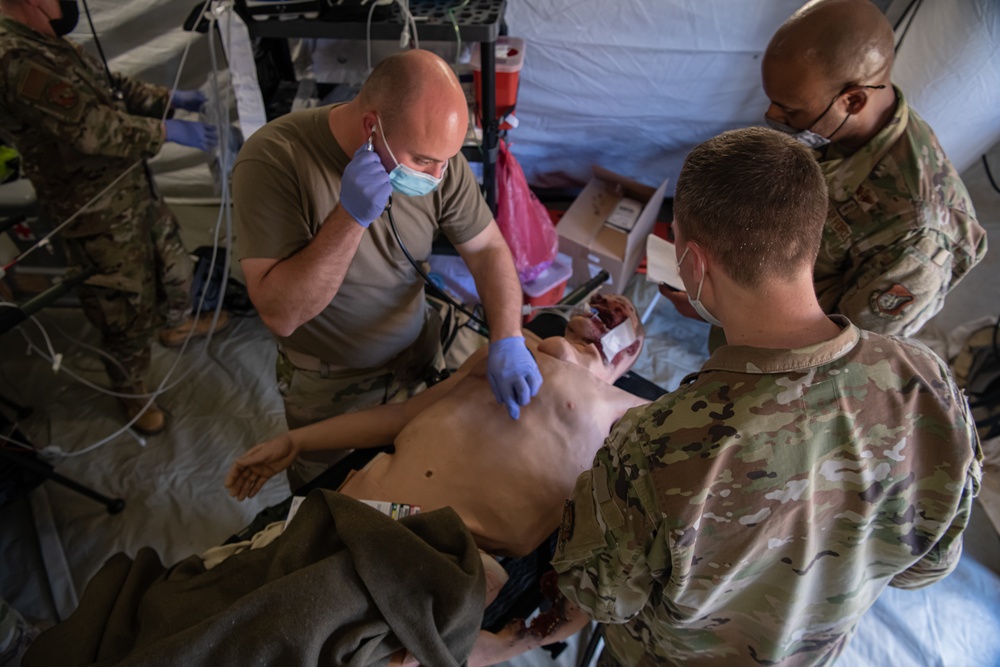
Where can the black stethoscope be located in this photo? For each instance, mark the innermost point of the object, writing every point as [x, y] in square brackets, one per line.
[429, 284]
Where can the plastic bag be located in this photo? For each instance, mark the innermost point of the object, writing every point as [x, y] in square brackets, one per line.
[523, 219]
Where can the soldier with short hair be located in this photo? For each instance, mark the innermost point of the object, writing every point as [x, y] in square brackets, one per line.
[753, 515]
[79, 138]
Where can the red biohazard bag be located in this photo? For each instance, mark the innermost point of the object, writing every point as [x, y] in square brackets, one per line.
[523, 220]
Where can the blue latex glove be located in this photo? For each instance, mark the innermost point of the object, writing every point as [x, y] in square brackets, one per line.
[191, 133]
[365, 187]
[189, 100]
[513, 374]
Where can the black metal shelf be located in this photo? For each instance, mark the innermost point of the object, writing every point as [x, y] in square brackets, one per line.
[478, 21]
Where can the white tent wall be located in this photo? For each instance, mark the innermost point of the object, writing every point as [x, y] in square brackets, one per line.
[632, 85]
[948, 65]
[146, 39]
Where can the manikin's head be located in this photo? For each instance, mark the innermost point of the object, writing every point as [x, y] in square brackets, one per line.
[827, 69]
[608, 324]
[750, 203]
[413, 109]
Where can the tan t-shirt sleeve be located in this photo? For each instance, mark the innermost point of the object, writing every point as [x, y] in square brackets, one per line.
[464, 213]
[268, 213]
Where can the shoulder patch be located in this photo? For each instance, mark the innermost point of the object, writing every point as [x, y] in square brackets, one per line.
[61, 93]
[893, 302]
[46, 91]
[32, 83]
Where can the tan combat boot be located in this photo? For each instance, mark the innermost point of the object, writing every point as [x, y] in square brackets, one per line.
[152, 420]
[202, 326]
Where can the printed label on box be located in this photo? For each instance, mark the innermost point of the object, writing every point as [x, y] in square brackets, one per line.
[624, 215]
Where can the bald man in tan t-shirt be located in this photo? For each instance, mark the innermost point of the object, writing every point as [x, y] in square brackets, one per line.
[455, 446]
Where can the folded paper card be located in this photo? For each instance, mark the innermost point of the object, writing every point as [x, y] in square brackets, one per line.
[661, 263]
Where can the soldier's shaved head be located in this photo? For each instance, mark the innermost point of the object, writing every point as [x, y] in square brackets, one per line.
[408, 83]
[844, 41]
[827, 69]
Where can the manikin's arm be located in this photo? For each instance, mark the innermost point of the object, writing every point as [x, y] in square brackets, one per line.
[562, 620]
[364, 429]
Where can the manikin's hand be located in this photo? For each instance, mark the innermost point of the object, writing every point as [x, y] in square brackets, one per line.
[680, 301]
[513, 374]
[189, 100]
[365, 187]
[191, 133]
[250, 471]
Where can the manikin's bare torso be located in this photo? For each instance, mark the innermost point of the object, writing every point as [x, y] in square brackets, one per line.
[507, 479]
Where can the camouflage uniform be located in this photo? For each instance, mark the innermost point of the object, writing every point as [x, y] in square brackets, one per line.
[753, 515]
[75, 140]
[314, 394]
[901, 231]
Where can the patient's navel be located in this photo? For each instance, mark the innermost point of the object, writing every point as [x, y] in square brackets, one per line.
[570, 405]
[429, 474]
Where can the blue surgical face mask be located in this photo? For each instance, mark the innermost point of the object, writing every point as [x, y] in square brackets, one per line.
[408, 181]
[696, 303]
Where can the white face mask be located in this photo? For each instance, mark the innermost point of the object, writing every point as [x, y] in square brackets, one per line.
[406, 180]
[696, 303]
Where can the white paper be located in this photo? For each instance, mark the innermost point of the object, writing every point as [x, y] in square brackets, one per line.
[661, 263]
[293, 508]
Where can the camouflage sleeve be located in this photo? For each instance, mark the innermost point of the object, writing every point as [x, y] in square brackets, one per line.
[943, 556]
[141, 98]
[902, 285]
[603, 553]
[56, 105]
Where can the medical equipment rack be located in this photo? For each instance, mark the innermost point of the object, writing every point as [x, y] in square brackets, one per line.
[478, 21]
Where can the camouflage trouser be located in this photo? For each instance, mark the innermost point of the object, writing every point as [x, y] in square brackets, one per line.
[142, 283]
[311, 396]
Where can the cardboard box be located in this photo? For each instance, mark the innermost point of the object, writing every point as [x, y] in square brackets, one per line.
[594, 245]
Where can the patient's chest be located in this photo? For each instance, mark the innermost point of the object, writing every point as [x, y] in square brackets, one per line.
[507, 479]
